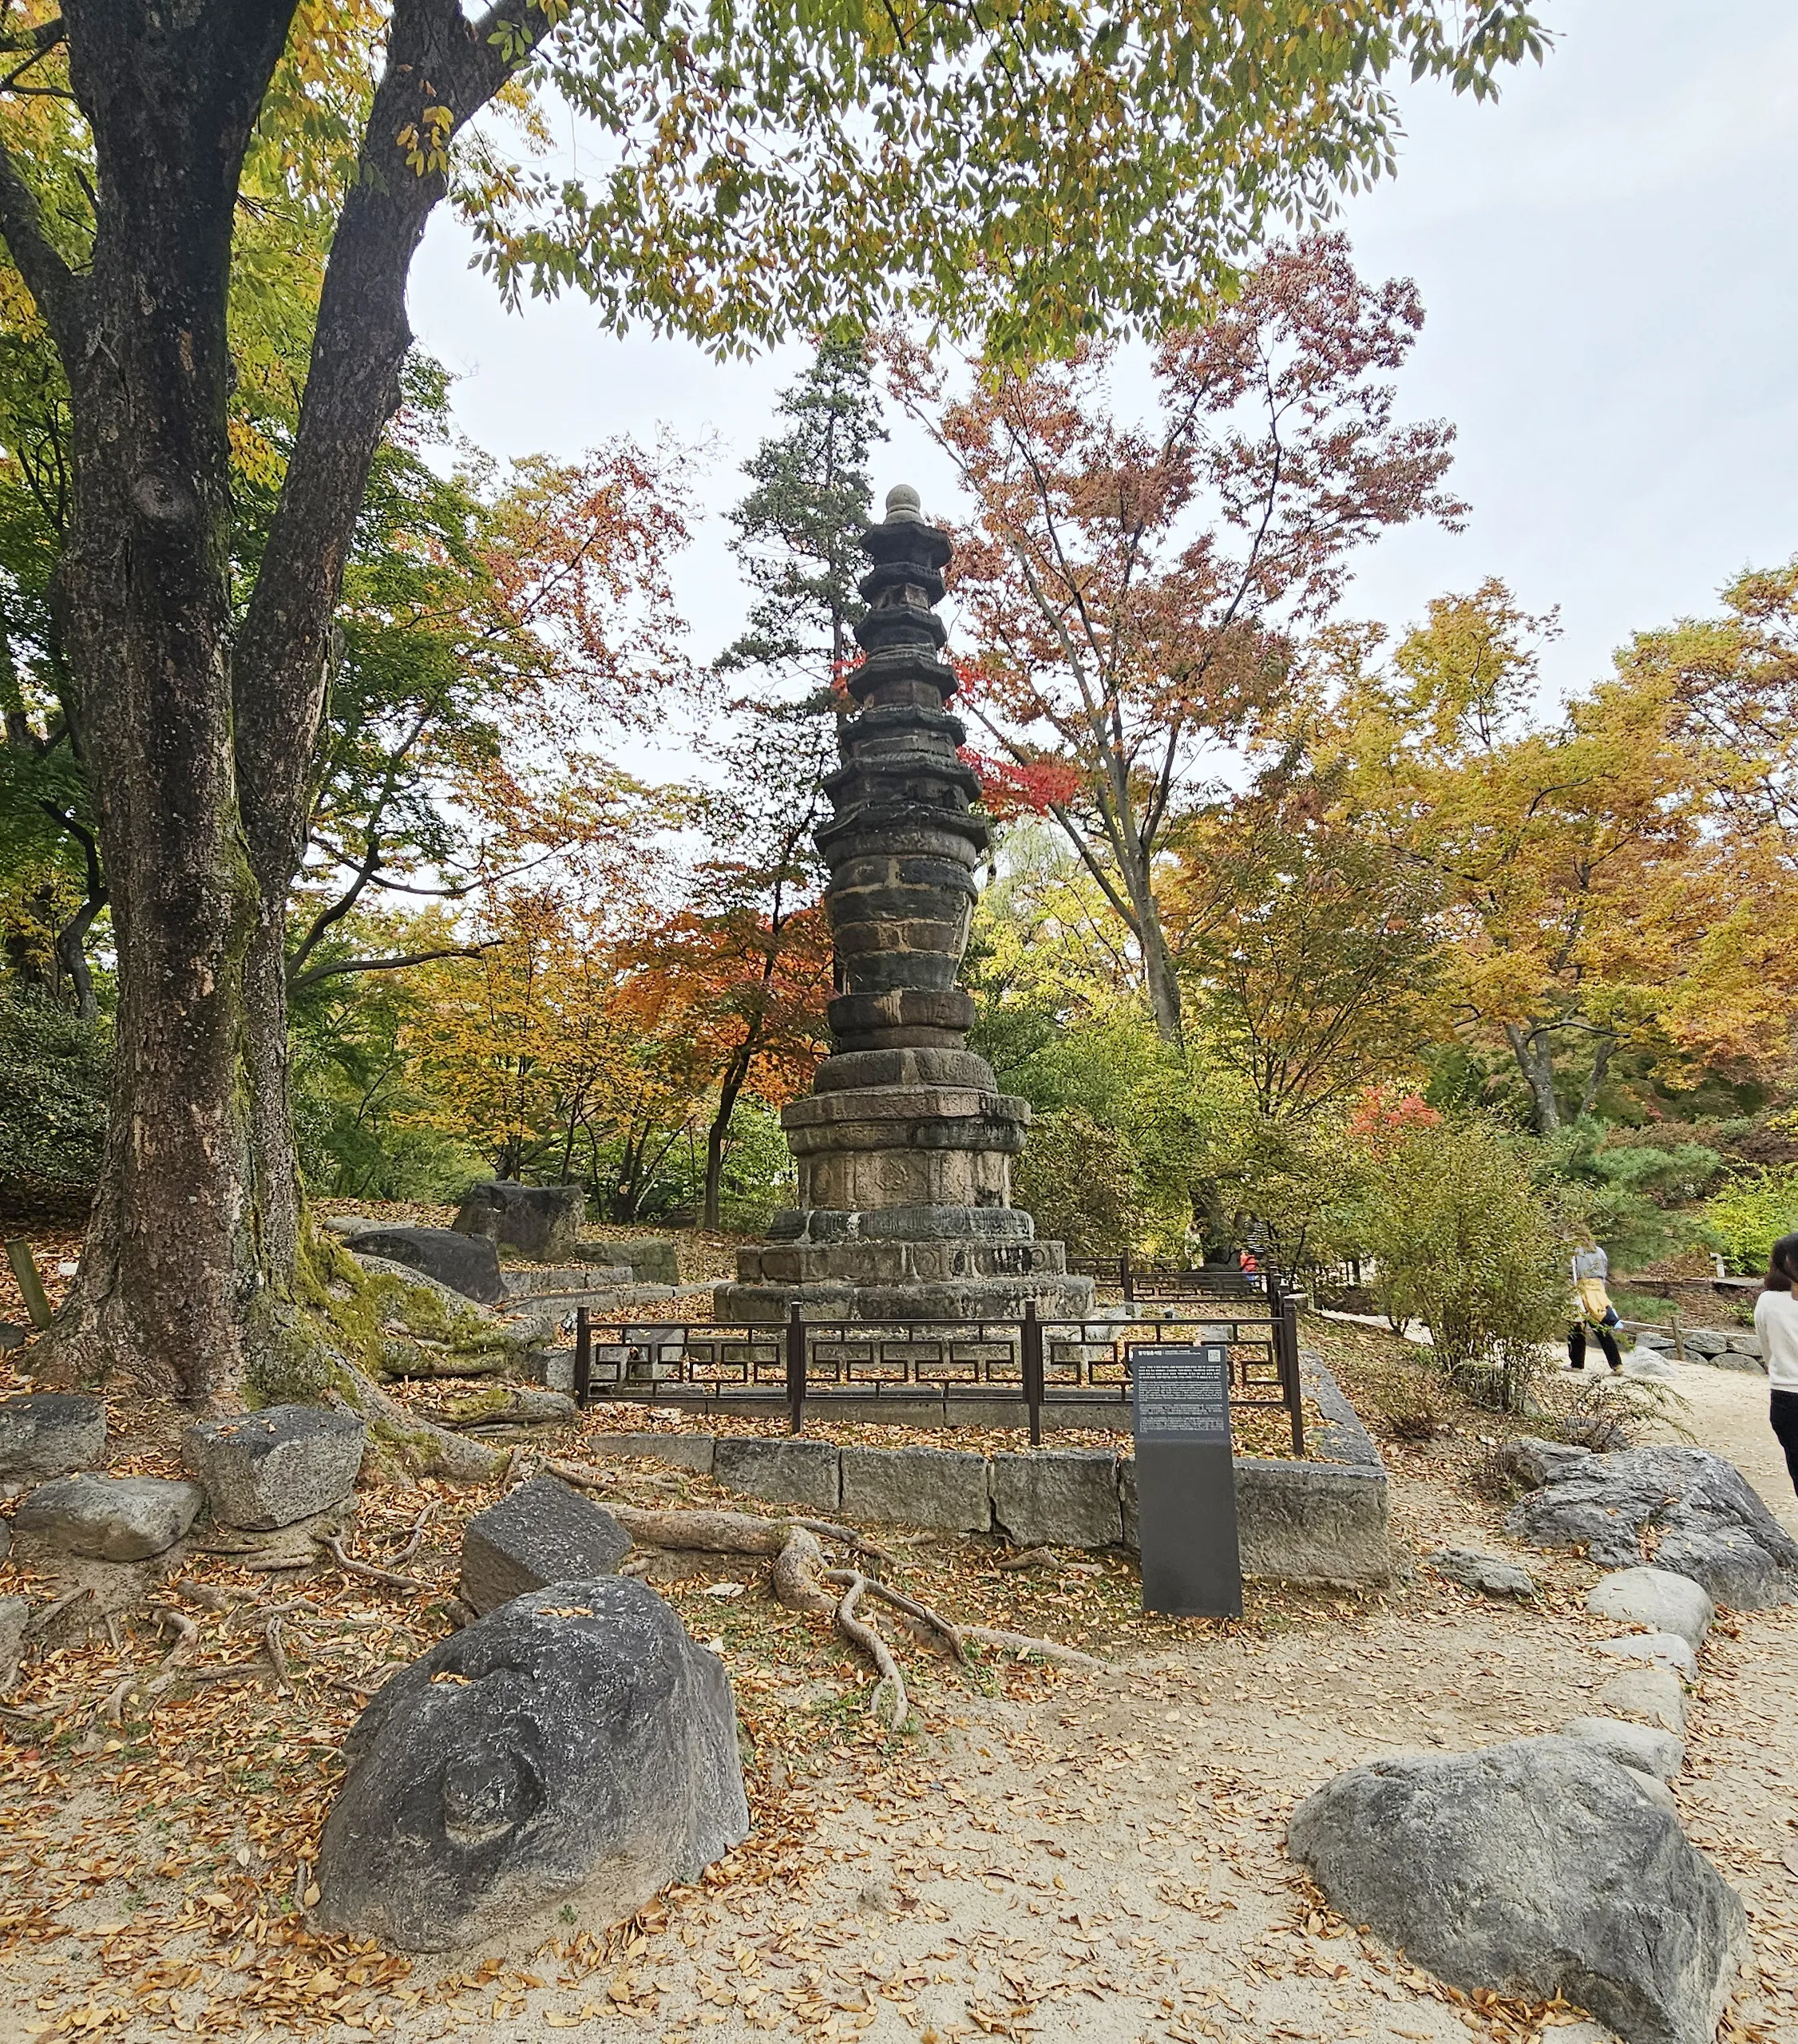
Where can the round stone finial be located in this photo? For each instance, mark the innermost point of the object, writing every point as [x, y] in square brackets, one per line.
[904, 504]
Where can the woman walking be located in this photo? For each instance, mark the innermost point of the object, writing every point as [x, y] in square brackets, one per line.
[1776, 1321]
[1594, 1313]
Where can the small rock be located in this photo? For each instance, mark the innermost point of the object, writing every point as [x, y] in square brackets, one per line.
[1655, 1598]
[467, 1264]
[12, 1337]
[1535, 1461]
[109, 1519]
[1537, 1868]
[575, 1745]
[1654, 1365]
[49, 1433]
[265, 1470]
[1709, 1523]
[541, 1222]
[1659, 1650]
[13, 1613]
[543, 1532]
[1640, 1746]
[875, 1899]
[1491, 1574]
[1656, 1695]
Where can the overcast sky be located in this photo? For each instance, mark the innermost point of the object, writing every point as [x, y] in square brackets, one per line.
[1606, 257]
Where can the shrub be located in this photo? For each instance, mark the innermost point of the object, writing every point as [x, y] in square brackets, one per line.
[1079, 1179]
[1461, 1243]
[1750, 1214]
[53, 1100]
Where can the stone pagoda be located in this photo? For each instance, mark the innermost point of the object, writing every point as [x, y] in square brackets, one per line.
[904, 1144]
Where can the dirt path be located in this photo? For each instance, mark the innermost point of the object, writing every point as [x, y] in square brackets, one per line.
[1099, 1860]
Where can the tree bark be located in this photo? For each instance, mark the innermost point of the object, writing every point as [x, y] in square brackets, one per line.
[1536, 1060]
[199, 745]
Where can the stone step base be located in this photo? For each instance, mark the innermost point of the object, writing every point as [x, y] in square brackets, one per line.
[888, 1263]
[972, 1298]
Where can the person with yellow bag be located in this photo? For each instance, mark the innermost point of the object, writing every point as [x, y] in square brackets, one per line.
[1595, 1313]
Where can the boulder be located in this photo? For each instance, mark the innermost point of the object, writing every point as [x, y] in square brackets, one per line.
[467, 1264]
[50, 1433]
[1745, 1342]
[264, 1470]
[650, 1259]
[542, 1532]
[1492, 1575]
[541, 1222]
[109, 1519]
[1538, 1868]
[1655, 1598]
[1648, 1750]
[1533, 1461]
[1063, 1499]
[13, 1613]
[575, 1747]
[1705, 1341]
[1656, 1649]
[1656, 1695]
[1710, 1522]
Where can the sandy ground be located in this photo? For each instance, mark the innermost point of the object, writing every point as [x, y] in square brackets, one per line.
[1103, 1861]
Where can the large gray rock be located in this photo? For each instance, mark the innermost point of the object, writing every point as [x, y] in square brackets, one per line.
[1709, 1523]
[1705, 1341]
[574, 1748]
[1656, 1695]
[1654, 1650]
[541, 1222]
[1646, 1748]
[1492, 1575]
[109, 1519]
[49, 1433]
[650, 1259]
[917, 1487]
[1655, 1598]
[1538, 1868]
[1533, 1461]
[467, 1264]
[13, 1613]
[542, 1532]
[802, 1473]
[263, 1470]
[1063, 1499]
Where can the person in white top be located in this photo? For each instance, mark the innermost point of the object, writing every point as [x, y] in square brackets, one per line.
[1776, 1321]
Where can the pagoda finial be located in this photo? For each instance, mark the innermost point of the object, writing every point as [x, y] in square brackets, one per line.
[904, 505]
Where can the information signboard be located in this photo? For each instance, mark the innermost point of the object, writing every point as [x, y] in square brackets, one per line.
[1185, 1480]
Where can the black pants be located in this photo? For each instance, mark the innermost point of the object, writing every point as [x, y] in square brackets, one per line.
[1606, 1340]
[1784, 1418]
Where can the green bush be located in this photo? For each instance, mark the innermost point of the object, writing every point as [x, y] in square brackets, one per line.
[53, 1099]
[758, 1175]
[1754, 1209]
[1627, 1184]
[1079, 1179]
[1462, 1242]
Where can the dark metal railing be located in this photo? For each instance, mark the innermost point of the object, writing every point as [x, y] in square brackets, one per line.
[1072, 1367]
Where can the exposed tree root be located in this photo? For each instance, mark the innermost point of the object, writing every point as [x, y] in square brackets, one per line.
[366, 1570]
[892, 1684]
[1023, 1642]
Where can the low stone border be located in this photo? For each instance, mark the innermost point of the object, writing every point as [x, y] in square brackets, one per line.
[1723, 1348]
[1315, 1522]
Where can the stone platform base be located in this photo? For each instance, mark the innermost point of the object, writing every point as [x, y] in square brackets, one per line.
[903, 1263]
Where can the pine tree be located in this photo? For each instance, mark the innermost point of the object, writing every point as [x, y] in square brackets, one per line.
[799, 541]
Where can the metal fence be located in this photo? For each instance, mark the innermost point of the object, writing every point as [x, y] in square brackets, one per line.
[1077, 1370]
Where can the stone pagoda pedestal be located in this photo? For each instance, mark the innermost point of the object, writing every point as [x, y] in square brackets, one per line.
[904, 1144]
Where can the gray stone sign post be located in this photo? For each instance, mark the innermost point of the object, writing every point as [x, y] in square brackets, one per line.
[1185, 1480]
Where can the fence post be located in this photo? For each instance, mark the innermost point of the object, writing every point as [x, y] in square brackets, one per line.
[1124, 1271]
[1030, 1356]
[1284, 1305]
[796, 1370]
[583, 1357]
[30, 1285]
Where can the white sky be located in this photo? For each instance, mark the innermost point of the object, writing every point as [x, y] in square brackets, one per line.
[1606, 257]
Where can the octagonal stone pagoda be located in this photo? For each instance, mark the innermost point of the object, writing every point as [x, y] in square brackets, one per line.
[904, 1144]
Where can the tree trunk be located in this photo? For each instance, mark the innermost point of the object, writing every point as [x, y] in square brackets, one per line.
[730, 1086]
[1536, 1060]
[169, 1271]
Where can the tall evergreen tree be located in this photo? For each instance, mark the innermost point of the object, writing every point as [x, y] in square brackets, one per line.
[798, 540]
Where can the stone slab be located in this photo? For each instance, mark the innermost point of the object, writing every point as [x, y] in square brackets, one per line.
[261, 1471]
[940, 1488]
[1065, 1499]
[680, 1451]
[109, 1519]
[50, 1433]
[541, 1533]
[799, 1473]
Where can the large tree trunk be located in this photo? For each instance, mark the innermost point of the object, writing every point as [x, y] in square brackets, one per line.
[170, 1269]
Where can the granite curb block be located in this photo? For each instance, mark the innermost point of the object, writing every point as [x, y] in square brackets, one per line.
[1322, 1523]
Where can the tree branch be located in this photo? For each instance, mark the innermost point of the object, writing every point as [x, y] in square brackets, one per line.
[338, 966]
[62, 296]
